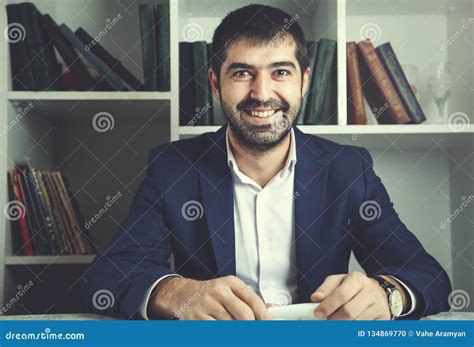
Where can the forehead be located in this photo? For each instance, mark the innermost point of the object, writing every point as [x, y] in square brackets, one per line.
[248, 52]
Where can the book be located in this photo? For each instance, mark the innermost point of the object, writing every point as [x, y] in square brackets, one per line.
[329, 110]
[322, 72]
[84, 79]
[21, 70]
[113, 63]
[102, 69]
[355, 94]
[202, 89]
[395, 72]
[186, 84]
[162, 36]
[148, 40]
[41, 55]
[26, 245]
[378, 88]
[311, 48]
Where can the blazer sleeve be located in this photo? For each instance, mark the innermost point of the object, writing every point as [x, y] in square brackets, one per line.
[384, 245]
[117, 280]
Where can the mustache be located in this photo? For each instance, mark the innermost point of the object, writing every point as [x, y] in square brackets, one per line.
[270, 103]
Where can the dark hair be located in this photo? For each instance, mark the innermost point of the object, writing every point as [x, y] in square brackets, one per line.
[260, 24]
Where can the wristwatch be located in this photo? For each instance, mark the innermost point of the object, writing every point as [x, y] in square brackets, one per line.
[395, 299]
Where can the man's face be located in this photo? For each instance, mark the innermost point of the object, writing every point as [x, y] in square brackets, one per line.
[261, 90]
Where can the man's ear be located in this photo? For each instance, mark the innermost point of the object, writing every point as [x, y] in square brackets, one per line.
[214, 83]
[305, 82]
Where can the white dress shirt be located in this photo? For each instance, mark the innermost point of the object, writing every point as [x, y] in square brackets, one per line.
[264, 234]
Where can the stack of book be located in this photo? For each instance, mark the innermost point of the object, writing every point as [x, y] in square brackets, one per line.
[195, 99]
[319, 106]
[47, 221]
[376, 74]
[48, 56]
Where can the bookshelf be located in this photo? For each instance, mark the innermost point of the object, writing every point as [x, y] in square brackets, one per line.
[427, 168]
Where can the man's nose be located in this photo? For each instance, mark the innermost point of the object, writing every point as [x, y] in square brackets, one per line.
[261, 88]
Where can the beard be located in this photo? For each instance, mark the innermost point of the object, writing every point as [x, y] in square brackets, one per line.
[264, 137]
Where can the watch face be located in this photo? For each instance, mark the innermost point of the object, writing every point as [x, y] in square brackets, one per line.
[396, 303]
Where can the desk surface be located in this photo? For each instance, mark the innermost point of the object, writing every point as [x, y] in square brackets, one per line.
[451, 315]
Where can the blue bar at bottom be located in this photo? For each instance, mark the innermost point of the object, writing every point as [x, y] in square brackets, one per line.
[274, 333]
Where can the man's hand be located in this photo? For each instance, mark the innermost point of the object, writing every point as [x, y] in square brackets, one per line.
[352, 296]
[218, 299]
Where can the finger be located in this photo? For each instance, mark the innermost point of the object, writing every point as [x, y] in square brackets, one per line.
[328, 286]
[348, 288]
[373, 312]
[238, 309]
[207, 317]
[354, 308]
[219, 312]
[248, 296]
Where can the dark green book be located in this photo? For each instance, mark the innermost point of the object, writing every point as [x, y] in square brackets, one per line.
[162, 36]
[324, 58]
[148, 40]
[329, 112]
[312, 48]
[203, 107]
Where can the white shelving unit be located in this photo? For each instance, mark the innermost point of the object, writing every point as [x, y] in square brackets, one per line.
[427, 168]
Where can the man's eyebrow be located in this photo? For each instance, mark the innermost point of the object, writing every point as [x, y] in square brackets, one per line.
[235, 66]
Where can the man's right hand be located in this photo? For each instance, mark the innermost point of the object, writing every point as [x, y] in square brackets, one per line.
[223, 298]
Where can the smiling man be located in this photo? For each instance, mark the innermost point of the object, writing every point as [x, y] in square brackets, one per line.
[259, 213]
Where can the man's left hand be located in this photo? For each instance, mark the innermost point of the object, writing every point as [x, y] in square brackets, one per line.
[351, 296]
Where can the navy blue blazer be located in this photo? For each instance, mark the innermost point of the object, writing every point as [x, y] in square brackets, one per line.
[332, 182]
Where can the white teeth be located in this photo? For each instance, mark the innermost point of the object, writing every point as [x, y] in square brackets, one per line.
[262, 114]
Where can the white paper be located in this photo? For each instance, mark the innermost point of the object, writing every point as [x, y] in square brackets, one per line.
[294, 312]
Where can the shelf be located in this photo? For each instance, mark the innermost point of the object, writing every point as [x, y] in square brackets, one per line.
[132, 95]
[49, 259]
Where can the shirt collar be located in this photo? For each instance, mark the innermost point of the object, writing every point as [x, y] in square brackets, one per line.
[290, 161]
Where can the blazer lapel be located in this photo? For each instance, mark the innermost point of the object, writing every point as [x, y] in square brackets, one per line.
[309, 191]
[217, 194]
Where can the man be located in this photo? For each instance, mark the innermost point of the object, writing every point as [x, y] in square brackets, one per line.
[260, 214]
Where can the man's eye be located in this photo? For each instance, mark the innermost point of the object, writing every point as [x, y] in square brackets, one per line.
[242, 73]
[281, 72]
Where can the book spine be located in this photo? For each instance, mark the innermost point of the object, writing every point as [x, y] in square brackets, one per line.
[201, 83]
[379, 89]
[162, 35]
[21, 71]
[148, 40]
[399, 80]
[355, 98]
[311, 48]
